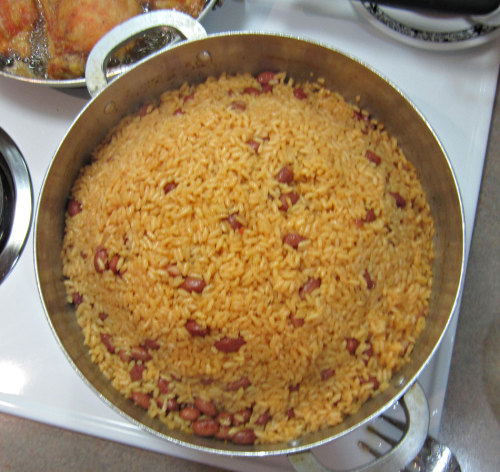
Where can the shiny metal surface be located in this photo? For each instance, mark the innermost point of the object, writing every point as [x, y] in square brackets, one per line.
[403, 451]
[16, 203]
[1, 208]
[433, 457]
[79, 82]
[252, 52]
[95, 70]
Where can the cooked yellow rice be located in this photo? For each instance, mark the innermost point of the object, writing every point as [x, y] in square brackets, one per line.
[368, 238]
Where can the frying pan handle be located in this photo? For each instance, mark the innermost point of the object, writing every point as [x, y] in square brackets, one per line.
[417, 415]
[95, 70]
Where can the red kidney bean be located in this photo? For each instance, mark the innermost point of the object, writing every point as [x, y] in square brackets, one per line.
[245, 437]
[290, 413]
[143, 110]
[238, 105]
[77, 298]
[233, 221]
[136, 372]
[206, 381]
[123, 356]
[190, 413]
[205, 406]
[296, 322]
[141, 399]
[327, 373]
[172, 404]
[178, 111]
[243, 382]
[254, 145]
[265, 77]
[370, 284]
[188, 97]
[372, 157]
[400, 201]
[195, 329]
[140, 353]
[193, 284]
[241, 417]
[163, 385]
[102, 315]
[205, 427]
[169, 186]
[293, 239]
[285, 175]
[299, 93]
[151, 344]
[74, 207]
[224, 433]
[361, 116]
[251, 91]
[294, 388]
[370, 216]
[113, 264]
[263, 419]
[351, 345]
[311, 285]
[267, 88]
[292, 196]
[225, 418]
[100, 260]
[227, 344]
[372, 380]
[107, 340]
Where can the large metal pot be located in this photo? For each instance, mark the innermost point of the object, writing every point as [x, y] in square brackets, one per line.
[193, 61]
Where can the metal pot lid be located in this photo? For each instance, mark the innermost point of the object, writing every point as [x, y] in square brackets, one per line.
[16, 203]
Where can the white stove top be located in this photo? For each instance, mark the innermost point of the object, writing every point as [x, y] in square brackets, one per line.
[453, 89]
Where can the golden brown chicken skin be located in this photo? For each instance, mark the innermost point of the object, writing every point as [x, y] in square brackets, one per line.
[192, 7]
[17, 19]
[73, 28]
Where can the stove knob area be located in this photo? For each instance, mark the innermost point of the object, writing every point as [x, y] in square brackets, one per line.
[16, 203]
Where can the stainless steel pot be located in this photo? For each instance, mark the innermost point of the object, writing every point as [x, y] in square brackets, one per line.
[193, 61]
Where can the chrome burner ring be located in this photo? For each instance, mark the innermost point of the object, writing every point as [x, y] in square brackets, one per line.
[16, 203]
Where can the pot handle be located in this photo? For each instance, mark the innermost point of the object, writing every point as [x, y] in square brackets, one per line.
[95, 70]
[416, 411]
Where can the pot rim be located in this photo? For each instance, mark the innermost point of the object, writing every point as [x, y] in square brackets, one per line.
[400, 383]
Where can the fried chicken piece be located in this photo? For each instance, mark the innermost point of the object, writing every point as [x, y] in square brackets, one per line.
[73, 28]
[191, 7]
[17, 19]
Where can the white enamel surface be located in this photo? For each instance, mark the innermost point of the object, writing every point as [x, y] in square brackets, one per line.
[455, 92]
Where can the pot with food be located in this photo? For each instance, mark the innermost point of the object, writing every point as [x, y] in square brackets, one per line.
[48, 41]
[256, 249]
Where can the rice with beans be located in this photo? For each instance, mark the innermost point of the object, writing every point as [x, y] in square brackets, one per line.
[249, 258]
